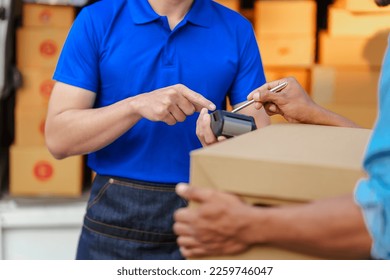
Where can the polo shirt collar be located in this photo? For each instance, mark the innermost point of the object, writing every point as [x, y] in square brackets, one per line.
[199, 14]
[141, 11]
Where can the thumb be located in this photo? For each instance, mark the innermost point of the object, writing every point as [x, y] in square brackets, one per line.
[193, 193]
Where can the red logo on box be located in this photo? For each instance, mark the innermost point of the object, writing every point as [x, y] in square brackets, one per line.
[43, 170]
[45, 16]
[48, 48]
[284, 51]
[46, 88]
[42, 127]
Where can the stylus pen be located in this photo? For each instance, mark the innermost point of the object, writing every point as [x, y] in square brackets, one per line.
[275, 89]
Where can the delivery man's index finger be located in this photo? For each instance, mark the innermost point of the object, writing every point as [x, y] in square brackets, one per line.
[198, 100]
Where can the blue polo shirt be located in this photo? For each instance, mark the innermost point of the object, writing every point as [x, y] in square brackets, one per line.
[122, 48]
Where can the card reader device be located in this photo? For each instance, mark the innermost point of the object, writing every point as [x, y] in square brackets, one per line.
[230, 124]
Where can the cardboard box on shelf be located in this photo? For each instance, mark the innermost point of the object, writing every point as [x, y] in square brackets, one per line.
[30, 126]
[291, 51]
[352, 50]
[276, 17]
[345, 85]
[36, 88]
[364, 24]
[34, 172]
[38, 15]
[231, 4]
[301, 74]
[363, 115]
[360, 6]
[39, 47]
[248, 13]
[283, 163]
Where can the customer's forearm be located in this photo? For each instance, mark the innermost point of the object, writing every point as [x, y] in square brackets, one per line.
[323, 116]
[329, 228]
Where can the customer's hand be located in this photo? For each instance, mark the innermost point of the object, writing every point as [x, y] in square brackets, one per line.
[292, 102]
[217, 226]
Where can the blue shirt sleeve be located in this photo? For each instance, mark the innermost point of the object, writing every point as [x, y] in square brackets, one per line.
[250, 72]
[78, 64]
[373, 194]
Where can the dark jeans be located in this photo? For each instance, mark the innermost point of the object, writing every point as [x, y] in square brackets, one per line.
[128, 219]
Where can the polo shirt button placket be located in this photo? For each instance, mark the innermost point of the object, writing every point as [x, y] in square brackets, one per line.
[168, 53]
[168, 49]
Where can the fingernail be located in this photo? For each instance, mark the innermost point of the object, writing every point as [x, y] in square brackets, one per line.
[212, 107]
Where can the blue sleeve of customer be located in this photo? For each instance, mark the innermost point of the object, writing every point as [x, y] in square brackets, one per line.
[373, 193]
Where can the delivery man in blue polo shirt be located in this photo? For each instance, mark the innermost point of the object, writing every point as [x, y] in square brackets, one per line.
[130, 77]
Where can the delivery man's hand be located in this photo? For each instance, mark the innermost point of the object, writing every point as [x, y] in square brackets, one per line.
[203, 129]
[170, 104]
[217, 226]
[292, 102]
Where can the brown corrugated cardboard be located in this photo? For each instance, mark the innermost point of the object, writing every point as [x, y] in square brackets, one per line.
[34, 172]
[37, 15]
[283, 163]
[39, 47]
[352, 50]
[363, 115]
[231, 4]
[345, 85]
[361, 6]
[301, 74]
[292, 51]
[276, 18]
[36, 88]
[364, 24]
[30, 126]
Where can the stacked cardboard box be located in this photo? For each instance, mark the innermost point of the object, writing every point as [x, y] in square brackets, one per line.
[361, 6]
[33, 171]
[283, 164]
[350, 57]
[286, 34]
[232, 4]
[235, 5]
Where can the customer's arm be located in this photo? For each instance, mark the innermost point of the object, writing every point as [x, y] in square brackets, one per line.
[222, 224]
[294, 104]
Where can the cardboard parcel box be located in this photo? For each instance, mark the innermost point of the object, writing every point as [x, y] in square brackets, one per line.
[283, 164]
